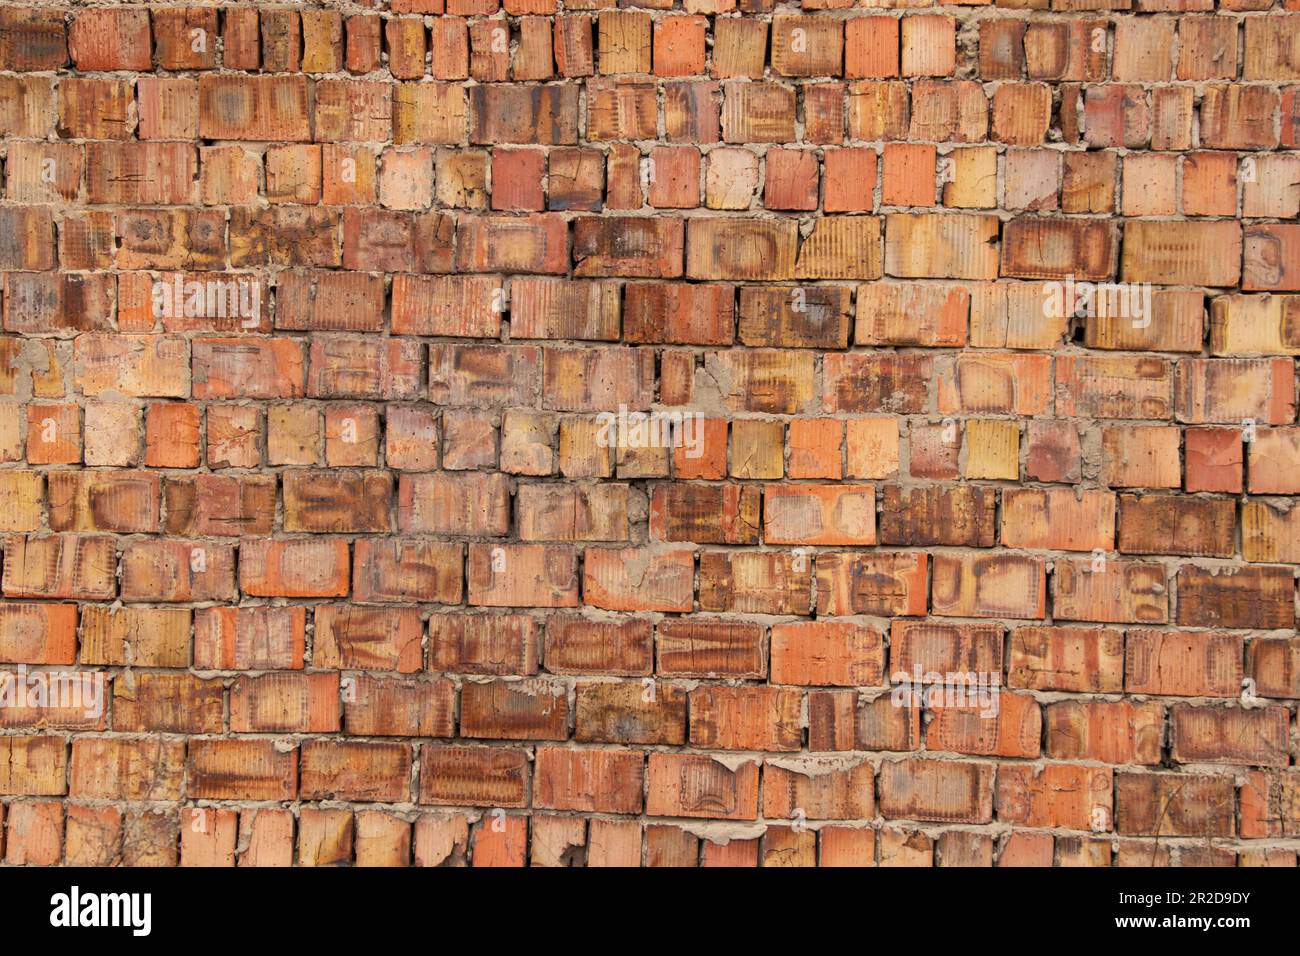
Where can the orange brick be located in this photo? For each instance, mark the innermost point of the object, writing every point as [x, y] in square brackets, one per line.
[815, 445]
[694, 785]
[908, 175]
[821, 653]
[679, 45]
[872, 48]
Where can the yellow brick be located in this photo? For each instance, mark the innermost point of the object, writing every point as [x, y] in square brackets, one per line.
[872, 447]
[993, 449]
[757, 449]
[971, 177]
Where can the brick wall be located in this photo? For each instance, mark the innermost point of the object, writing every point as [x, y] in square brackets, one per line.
[960, 529]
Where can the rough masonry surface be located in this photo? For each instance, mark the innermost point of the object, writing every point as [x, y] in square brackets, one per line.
[514, 432]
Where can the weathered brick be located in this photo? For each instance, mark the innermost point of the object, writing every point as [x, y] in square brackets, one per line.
[941, 246]
[1231, 735]
[755, 582]
[696, 785]
[34, 39]
[1057, 795]
[883, 583]
[1110, 591]
[946, 791]
[1254, 597]
[1004, 585]
[1270, 805]
[1169, 804]
[478, 776]
[1183, 664]
[110, 39]
[285, 703]
[1177, 525]
[818, 787]
[745, 718]
[60, 566]
[294, 568]
[921, 648]
[820, 515]
[36, 766]
[514, 710]
[355, 771]
[126, 769]
[253, 107]
[1067, 658]
[170, 703]
[1115, 732]
[390, 707]
[606, 781]
[637, 579]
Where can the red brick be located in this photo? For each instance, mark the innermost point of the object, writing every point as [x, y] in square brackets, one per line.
[581, 646]
[1170, 804]
[882, 583]
[636, 579]
[946, 791]
[919, 648]
[988, 586]
[325, 837]
[249, 638]
[241, 770]
[1214, 459]
[1231, 735]
[387, 707]
[628, 713]
[1115, 732]
[1057, 795]
[975, 728]
[1058, 520]
[1270, 805]
[107, 39]
[703, 647]
[827, 653]
[155, 637]
[745, 718]
[170, 703]
[1183, 664]
[33, 39]
[477, 776]
[514, 710]
[603, 781]
[755, 582]
[34, 766]
[285, 703]
[35, 833]
[59, 566]
[1251, 597]
[441, 837]
[297, 568]
[355, 771]
[378, 638]
[253, 107]
[696, 785]
[1110, 591]
[1067, 658]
